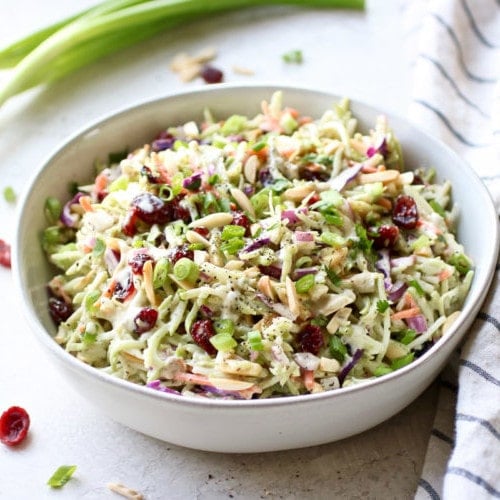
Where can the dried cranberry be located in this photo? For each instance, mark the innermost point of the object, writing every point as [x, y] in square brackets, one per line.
[59, 310]
[145, 320]
[137, 261]
[151, 209]
[179, 212]
[201, 331]
[240, 219]
[5, 254]
[128, 228]
[385, 236]
[310, 339]
[14, 425]
[181, 252]
[124, 287]
[405, 213]
[211, 74]
[202, 230]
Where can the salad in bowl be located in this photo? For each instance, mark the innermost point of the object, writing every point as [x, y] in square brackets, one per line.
[253, 257]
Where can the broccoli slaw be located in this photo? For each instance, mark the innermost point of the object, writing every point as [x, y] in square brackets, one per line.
[256, 257]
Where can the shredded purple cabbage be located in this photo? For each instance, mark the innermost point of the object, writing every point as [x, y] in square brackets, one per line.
[157, 386]
[67, 218]
[262, 242]
[345, 177]
[350, 365]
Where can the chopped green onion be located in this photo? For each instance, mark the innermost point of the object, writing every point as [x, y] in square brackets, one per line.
[320, 320]
[176, 184]
[382, 370]
[223, 342]
[119, 184]
[9, 194]
[53, 209]
[402, 361]
[293, 56]
[332, 239]
[303, 261]
[254, 339]
[186, 269]
[258, 146]
[382, 306]
[363, 243]
[233, 246]
[90, 299]
[421, 242]
[166, 193]
[225, 326]
[234, 125]
[160, 273]
[61, 476]
[305, 283]
[460, 262]
[337, 349]
[64, 47]
[231, 231]
[214, 179]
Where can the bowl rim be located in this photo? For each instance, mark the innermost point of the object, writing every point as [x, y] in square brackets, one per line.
[465, 320]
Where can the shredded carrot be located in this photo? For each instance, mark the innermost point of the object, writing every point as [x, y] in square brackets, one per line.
[406, 313]
[293, 112]
[308, 379]
[101, 182]
[409, 301]
[85, 203]
[445, 273]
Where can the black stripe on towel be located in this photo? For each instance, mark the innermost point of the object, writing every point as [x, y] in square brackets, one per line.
[456, 42]
[459, 471]
[475, 28]
[487, 425]
[442, 436]
[480, 371]
[450, 80]
[489, 319]
[449, 126]
[433, 494]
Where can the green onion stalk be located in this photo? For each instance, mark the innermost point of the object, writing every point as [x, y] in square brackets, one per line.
[64, 47]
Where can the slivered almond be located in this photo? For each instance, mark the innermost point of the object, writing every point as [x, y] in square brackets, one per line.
[383, 176]
[147, 272]
[250, 168]
[293, 300]
[264, 285]
[395, 350]
[131, 358]
[298, 193]
[243, 368]
[329, 365]
[213, 220]
[450, 320]
[243, 201]
[229, 384]
[125, 491]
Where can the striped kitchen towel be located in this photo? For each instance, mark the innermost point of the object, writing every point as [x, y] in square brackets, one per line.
[456, 97]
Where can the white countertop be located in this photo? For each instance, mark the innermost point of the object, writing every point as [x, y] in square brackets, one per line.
[357, 54]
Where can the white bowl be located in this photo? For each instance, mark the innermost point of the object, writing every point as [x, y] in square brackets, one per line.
[255, 425]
